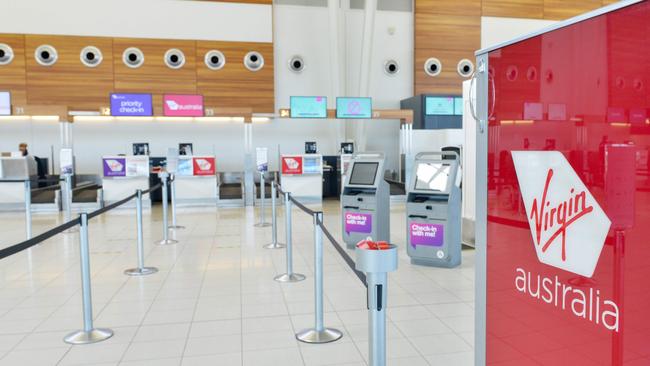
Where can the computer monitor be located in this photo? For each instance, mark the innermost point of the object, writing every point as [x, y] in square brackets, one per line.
[352, 108]
[432, 176]
[364, 173]
[439, 106]
[308, 107]
[311, 147]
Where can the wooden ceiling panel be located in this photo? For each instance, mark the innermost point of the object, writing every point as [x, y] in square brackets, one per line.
[533, 9]
[12, 76]
[69, 82]
[234, 85]
[447, 32]
[450, 7]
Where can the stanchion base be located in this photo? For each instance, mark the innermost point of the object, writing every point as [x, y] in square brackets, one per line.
[167, 242]
[176, 227]
[326, 335]
[91, 336]
[274, 246]
[294, 277]
[140, 271]
[262, 224]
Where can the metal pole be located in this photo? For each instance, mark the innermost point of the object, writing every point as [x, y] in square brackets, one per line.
[274, 219]
[165, 241]
[319, 334]
[89, 334]
[68, 202]
[28, 209]
[262, 222]
[173, 188]
[141, 270]
[377, 295]
[289, 276]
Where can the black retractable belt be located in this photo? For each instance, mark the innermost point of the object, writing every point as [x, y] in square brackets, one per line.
[349, 261]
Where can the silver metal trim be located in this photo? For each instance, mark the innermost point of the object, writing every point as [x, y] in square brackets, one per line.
[562, 24]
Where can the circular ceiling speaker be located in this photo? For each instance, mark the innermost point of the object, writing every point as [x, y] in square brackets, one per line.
[432, 66]
[214, 59]
[465, 68]
[46, 55]
[296, 64]
[174, 58]
[254, 61]
[91, 56]
[133, 57]
[391, 67]
[6, 54]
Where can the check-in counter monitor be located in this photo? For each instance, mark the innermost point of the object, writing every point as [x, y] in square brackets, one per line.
[365, 201]
[433, 211]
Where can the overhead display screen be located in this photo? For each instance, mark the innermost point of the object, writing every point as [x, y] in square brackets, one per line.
[308, 107]
[131, 105]
[432, 176]
[458, 106]
[5, 103]
[363, 173]
[354, 108]
[439, 106]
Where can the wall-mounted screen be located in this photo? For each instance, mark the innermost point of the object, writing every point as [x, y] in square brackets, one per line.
[432, 176]
[5, 103]
[308, 107]
[439, 106]
[178, 105]
[354, 108]
[133, 105]
[363, 173]
[458, 106]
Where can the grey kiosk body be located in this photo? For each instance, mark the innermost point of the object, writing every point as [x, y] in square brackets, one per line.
[433, 210]
[365, 202]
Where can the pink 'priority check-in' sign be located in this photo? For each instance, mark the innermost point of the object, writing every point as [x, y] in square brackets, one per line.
[176, 105]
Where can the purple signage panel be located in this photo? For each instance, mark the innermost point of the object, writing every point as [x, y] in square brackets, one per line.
[114, 167]
[358, 223]
[431, 235]
[131, 105]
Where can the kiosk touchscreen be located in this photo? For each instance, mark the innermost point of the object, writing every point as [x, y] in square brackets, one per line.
[365, 200]
[433, 211]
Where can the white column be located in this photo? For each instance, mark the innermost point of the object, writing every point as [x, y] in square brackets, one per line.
[365, 66]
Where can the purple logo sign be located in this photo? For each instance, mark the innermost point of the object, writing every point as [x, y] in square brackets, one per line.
[131, 105]
[431, 235]
[114, 167]
[358, 223]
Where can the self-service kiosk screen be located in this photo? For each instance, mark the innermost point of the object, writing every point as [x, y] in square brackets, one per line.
[363, 173]
[432, 176]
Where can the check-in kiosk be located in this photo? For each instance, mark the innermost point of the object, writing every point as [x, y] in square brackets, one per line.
[365, 202]
[433, 210]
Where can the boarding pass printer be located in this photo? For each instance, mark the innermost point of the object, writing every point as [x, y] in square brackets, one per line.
[433, 206]
[365, 201]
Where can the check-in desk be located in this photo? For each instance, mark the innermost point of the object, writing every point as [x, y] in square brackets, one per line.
[14, 171]
[302, 176]
[122, 176]
[196, 181]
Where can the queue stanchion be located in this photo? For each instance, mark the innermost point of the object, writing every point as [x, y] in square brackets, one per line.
[164, 176]
[289, 276]
[274, 219]
[376, 259]
[28, 209]
[89, 334]
[141, 270]
[262, 222]
[67, 202]
[172, 186]
[318, 334]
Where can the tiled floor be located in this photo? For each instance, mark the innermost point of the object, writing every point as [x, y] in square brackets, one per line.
[214, 301]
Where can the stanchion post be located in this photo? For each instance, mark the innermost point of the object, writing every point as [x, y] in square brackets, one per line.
[262, 222]
[274, 219]
[67, 202]
[89, 334]
[141, 270]
[164, 176]
[289, 276]
[28, 209]
[173, 192]
[318, 334]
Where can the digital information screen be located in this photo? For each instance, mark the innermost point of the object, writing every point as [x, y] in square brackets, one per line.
[363, 174]
[308, 107]
[131, 105]
[439, 106]
[354, 108]
[432, 176]
[458, 106]
[5, 103]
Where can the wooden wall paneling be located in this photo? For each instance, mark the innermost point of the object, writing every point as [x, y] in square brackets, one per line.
[533, 9]
[450, 7]
[234, 85]
[12, 76]
[448, 81]
[564, 9]
[154, 76]
[69, 82]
